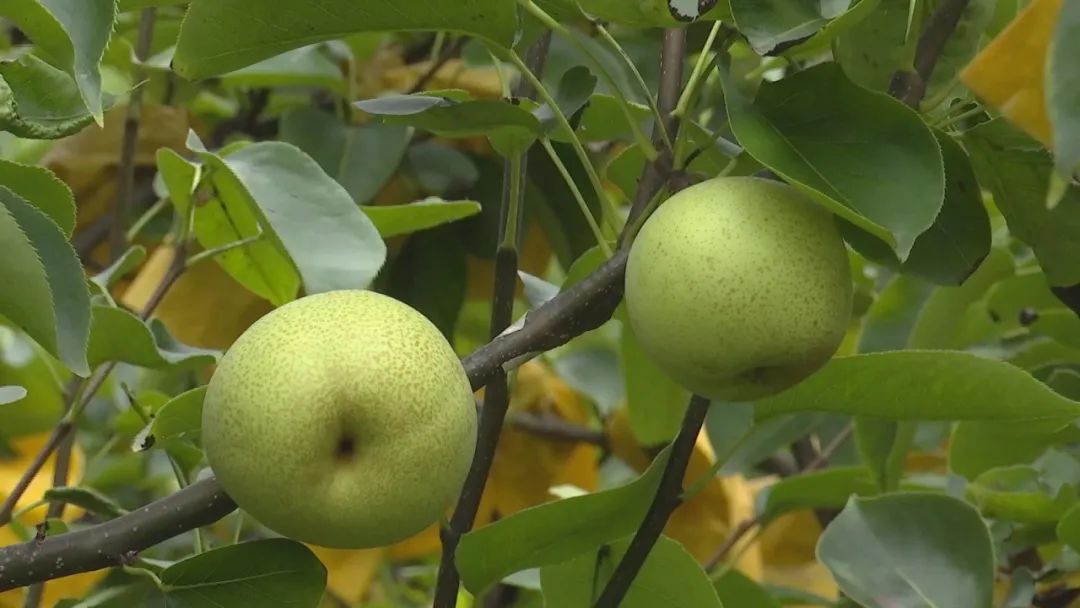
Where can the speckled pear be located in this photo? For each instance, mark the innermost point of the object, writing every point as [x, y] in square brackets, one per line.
[342, 419]
[739, 288]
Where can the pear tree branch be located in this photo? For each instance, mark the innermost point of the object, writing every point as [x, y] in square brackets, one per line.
[582, 308]
[81, 396]
[129, 145]
[497, 393]
[668, 497]
[910, 87]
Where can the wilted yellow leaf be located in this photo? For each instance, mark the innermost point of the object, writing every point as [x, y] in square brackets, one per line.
[205, 307]
[703, 523]
[88, 161]
[533, 258]
[349, 573]
[480, 82]
[527, 466]
[1010, 73]
[10, 471]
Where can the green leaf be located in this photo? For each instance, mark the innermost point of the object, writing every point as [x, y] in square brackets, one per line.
[827, 489]
[923, 385]
[86, 498]
[310, 66]
[11, 394]
[575, 88]
[939, 321]
[884, 42]
[603, 120]
[440, 169]
[74, 35]
[883, 447]
[975, 447]
[38, 101]
[395, 220]
[1068, 529]
[361, 158]
[756, 441]
[769, 24]
[430, 275]
[1018, 494]
[736, 590]
[655, 403]
[910, 549]
[41, 188]
[271, 573]
[1063, 88]
[1017, 170]
[555, 532]
[889, 322]
[222, 35]
[499, 120]
[125, 264]
[24, 364]
[670, 577]
[118, 335]
[960, 47]
[51, 302]
[330, 241]
[180, 176]
[835, 28]
[828, 137]
[652, 13]
[959, 239]
[179, 420]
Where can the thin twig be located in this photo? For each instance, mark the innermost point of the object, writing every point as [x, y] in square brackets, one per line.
[672, 57]
[557, 429]
[910, 87]
[67, 423]
[447, 54]
[668, 498]
[126, 187]
[497, 393]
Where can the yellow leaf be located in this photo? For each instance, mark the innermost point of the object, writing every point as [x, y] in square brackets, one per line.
[704, 522]
[205, 307]
[527, 466]
[480, 82]
[88, 161]
[10, 471]
[534, 257]
[1010, 73]
[349, 573]
[787, 549]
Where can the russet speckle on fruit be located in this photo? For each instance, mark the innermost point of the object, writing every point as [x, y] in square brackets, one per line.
[739, 288]
[343, 419]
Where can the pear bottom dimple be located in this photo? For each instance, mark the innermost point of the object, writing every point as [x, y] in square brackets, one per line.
[739, 288]
[343, 419]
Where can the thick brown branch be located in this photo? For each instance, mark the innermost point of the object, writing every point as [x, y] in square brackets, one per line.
[910, 87]
[114, 542]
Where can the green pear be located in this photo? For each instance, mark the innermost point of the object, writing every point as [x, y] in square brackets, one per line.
[342, 419]
[739, 288]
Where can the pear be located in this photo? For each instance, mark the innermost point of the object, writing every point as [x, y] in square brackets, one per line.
[342, 419]
[739, 288]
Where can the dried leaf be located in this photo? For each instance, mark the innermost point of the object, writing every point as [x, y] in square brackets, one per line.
[1010, 73]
